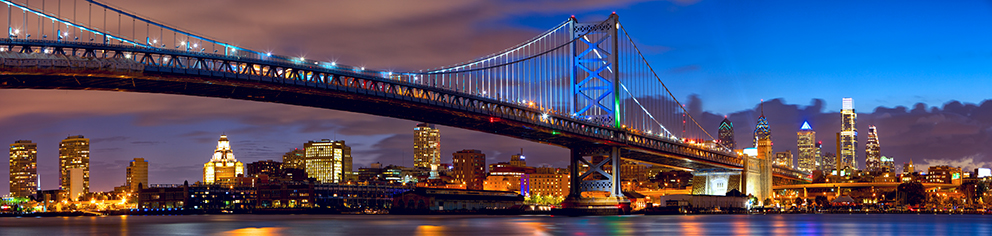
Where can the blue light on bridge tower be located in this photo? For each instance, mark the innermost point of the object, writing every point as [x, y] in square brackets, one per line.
[595, 76]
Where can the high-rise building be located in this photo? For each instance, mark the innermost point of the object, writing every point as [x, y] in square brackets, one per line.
[873, 161]
[137, 174]
[328, 161]
[222, 167]
[469, 168]
[727, 134]
[829, 161]
[426, 147]
[23, 168]
[268, 167]
[293, 159]
[784, 158]
[848, 138]
[762, 130]
[74, 165]
[807, 148]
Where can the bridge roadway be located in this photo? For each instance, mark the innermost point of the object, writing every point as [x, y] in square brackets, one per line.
[44, 64]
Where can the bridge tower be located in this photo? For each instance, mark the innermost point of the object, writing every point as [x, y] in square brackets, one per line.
[595, 86]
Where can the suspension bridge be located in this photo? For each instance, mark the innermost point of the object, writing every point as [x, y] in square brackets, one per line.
[583, 86]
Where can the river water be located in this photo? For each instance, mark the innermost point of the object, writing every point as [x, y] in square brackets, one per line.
[395, 225]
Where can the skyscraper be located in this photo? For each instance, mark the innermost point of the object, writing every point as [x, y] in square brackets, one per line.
[329, 161]
[137, 173]
[74, 165]
[807, 148]
[222, 167]
[761, 130]
[23, 168]
[873, 161]
[470, 168]
[727, 134]
[426, 147]
[829, 161]
[848, 139]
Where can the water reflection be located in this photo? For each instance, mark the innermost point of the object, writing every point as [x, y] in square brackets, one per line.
[502, 225]
[252, 231]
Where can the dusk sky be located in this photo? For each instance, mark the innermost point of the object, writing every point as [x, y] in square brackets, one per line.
[919, 70]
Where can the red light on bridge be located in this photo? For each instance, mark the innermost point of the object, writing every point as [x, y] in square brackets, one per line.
[493, 119]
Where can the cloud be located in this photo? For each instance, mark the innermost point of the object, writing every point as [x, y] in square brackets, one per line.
[957, 130]
[966, 163]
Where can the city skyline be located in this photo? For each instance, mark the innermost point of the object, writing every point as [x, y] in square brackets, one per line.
[127, 125]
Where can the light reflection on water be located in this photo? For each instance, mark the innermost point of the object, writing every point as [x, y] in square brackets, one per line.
[502, 225]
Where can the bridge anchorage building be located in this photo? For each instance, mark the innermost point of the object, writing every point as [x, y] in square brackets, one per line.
[582, 86]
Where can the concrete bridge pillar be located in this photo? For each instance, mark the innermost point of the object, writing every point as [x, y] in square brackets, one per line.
[599, 178]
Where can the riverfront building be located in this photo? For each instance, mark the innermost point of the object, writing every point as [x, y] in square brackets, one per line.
[329, 161]
[74, 165]
[137, 174]
[427, 148]
[470, 168]
[222, 167]
[23, 168]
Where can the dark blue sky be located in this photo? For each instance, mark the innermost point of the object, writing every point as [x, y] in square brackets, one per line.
[731, 54]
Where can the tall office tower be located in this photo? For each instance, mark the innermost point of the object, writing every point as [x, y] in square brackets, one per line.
[761, 130]
[222, 167]
[807, 148]
[820, 162]
[873, 161]
[427, 148]
[848, 139]
[328, 161]
[727, 134]
[470, 168]
[293, 159]
[784, 158]
[74, 153]
[137, 173]
[518, 160]
[829, 162]
[23, 168]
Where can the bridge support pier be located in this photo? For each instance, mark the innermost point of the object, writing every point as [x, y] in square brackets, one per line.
[599, 178]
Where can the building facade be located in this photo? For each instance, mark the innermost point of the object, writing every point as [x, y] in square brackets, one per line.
[74, 165]
[726, 132]
[469, 168]
[426, 147]
[847, 140]
[784, 158]
[873, 157]
[137, 174]
[222, 167]
[267, 167]
[549, 181]
[293, 159]
[807, 147]
[23, 168]
[328, 161]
